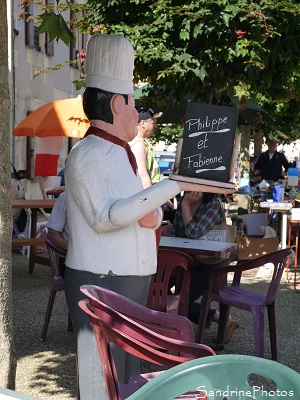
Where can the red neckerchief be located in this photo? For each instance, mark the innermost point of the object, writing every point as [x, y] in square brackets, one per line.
[114, 139]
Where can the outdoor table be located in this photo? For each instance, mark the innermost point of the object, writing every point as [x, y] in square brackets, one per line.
[55, 192]
[34, 206]
[282, 208]
[195, 246]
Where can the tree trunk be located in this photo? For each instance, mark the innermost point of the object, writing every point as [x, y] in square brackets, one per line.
[7, 352]
[244, 164]
[258, 135]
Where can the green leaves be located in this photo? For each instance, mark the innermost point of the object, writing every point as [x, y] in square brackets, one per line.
[79, 84]
[56, 27]
[210, 49]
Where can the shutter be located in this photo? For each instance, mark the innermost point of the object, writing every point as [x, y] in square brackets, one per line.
[73, 51]
[49, 46]
[29, 27]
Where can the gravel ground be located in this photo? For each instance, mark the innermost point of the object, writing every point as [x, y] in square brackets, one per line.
[46, 370]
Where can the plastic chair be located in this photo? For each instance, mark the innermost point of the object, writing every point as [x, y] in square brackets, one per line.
[166, 230]
[112, 326]
[172, 326]
[292, 223]
[229, 377]
[174, 265]
[236, 296]
[57, 283]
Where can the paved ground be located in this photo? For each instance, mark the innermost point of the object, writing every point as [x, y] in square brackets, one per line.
[47, 370]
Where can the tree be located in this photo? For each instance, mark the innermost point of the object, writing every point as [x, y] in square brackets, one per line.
[7, 353]
[210, 49]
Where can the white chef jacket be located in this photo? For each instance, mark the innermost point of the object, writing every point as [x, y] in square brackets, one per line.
[105, 199]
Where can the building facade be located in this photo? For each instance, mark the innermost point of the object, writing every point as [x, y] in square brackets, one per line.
[28, 53]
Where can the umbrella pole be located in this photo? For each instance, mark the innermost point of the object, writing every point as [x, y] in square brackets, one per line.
[42, 187]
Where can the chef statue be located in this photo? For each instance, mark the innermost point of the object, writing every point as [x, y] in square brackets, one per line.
[111, 219]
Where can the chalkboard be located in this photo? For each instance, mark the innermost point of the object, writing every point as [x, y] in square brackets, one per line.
[208, 142]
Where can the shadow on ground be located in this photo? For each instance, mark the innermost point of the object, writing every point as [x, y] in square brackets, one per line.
[47, 370]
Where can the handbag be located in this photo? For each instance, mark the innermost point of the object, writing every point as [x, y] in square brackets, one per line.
[222, 232]
[219, 233]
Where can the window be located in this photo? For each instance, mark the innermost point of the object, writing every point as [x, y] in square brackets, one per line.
[32, 38]
[49, 46]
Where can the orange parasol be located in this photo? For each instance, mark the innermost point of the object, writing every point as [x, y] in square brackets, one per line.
[58, 118]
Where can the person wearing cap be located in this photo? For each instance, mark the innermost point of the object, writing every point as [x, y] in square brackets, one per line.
[148, 167]
[111, 218]
[270, 164]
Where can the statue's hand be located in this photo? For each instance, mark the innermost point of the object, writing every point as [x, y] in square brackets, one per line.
[150, 220]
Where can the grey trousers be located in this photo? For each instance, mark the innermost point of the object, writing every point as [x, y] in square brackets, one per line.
[91, 384]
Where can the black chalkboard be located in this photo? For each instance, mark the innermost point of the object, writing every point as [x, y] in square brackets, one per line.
[208, 142]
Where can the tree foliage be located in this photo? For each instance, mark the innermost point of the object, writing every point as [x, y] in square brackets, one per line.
[212, 50]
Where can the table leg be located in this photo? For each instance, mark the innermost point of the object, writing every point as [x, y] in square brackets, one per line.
[283, 230]
[296, 257]
[32, 235]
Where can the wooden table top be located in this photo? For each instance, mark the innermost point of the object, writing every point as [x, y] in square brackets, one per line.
[36, 203]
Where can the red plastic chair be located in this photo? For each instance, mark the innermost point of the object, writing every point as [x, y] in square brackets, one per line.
[112, 326]
[236, 296]
[57, 283]
[171, 264]
[166, 230]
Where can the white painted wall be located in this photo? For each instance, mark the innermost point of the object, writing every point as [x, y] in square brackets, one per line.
[29, 93]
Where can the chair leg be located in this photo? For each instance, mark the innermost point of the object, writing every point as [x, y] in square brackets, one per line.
[259, 334]
[48, 314]
[205, 303]
[70, 324]
[296, 257]
[223, 323]
[272, 329]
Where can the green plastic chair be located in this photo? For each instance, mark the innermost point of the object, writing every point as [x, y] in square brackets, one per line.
[6, 394]
[224, 377]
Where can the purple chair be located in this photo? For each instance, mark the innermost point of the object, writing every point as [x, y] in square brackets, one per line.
[172, 326]
[57, 283]
[236, 296]
[116, 319]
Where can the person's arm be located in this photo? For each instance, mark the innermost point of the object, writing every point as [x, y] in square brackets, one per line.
[201, 224]
[57, 238]
[257, 174]
[140, 152]
[187, 202]
[57, 223]
[257, 169]
[285, 164]
[257, 165]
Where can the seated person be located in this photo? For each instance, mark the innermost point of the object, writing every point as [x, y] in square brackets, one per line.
[58, 228]
[62, 174]
[196, 214]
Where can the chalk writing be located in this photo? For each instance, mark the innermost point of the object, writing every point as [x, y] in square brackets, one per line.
[198, 161]
[208, 142]
[211, 169]
[201, 133]
[213, 124]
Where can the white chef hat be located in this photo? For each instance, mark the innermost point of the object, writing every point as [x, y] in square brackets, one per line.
[109, 64]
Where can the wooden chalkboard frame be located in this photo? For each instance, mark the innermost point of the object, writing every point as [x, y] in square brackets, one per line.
[209, 137]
